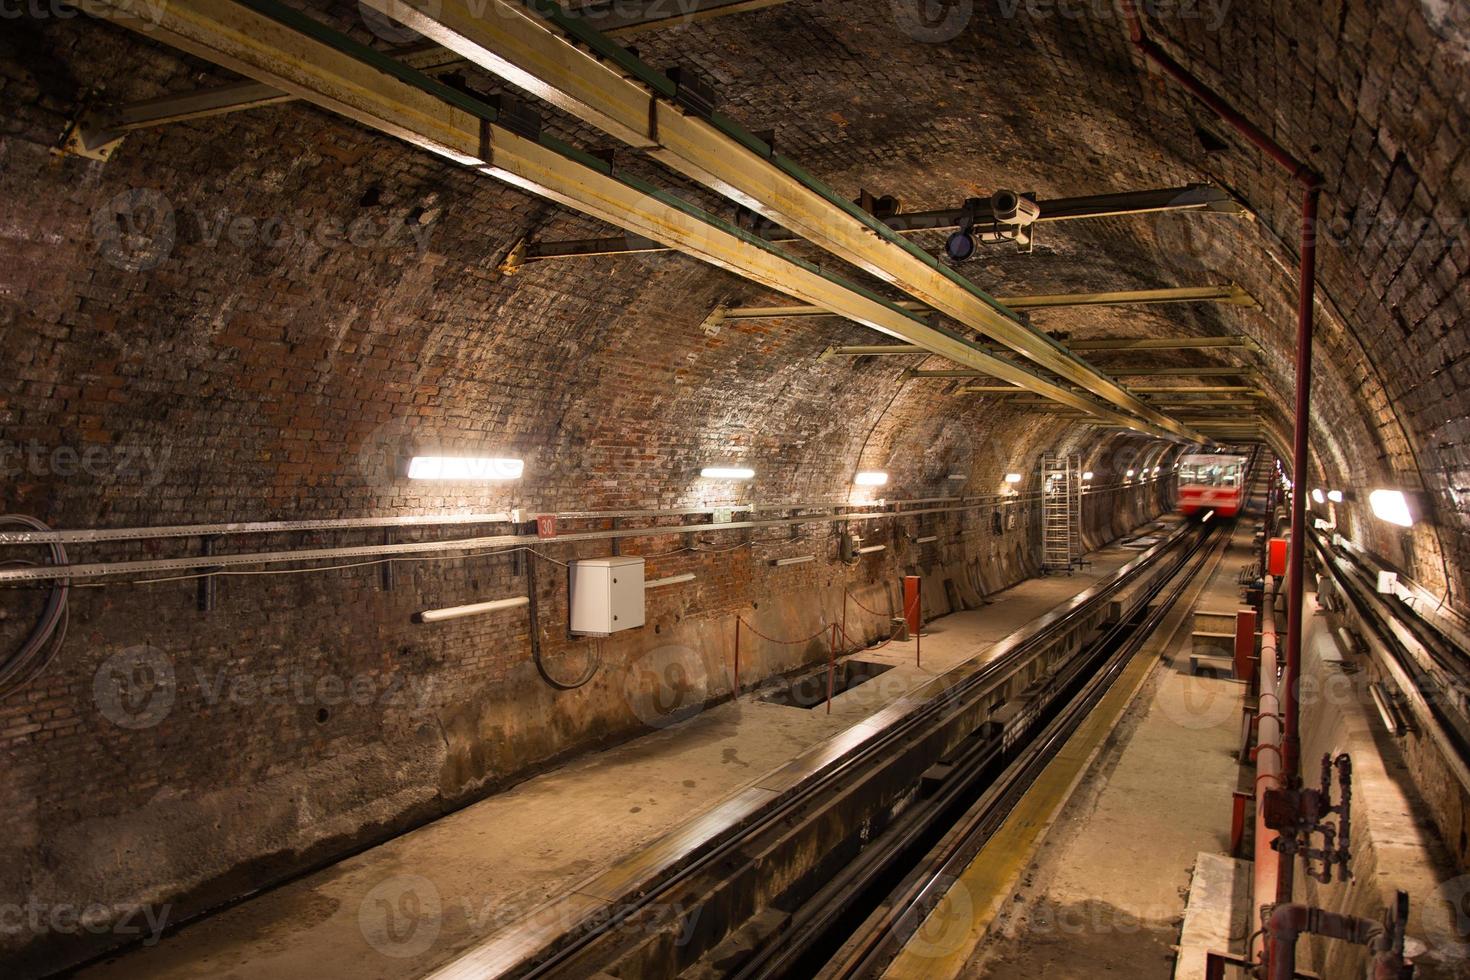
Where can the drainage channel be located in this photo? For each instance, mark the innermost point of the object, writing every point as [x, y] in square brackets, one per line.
[701, 901]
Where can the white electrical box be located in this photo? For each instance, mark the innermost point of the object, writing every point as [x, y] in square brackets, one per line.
[606, 595]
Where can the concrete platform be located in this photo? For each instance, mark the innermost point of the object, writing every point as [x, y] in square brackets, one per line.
[1103, 893]
[400, 909]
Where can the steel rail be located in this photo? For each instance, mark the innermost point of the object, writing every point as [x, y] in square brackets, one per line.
[920, 714]
[280, 45]
[608, 87]
[873, 945]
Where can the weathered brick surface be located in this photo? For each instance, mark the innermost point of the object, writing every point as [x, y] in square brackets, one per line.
[245, 372]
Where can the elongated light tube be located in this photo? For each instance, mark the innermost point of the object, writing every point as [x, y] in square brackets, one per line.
[727, 473]
[871, 478]
[473, 609]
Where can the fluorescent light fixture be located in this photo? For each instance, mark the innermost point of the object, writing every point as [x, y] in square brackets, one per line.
[1087, 475]
[473, 609]
[1318, 495]
[1391, 506]
[727, 473]
[872, 549]
[1335, 496]
[670, 580]
[798, 560]
[958, 477]
[464, 468]
[871, 478]
[1013, 478]
[927, 539]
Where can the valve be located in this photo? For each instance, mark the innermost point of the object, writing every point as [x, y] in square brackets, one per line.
[1297, 813]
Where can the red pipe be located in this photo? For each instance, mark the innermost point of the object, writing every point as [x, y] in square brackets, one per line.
[1307, 286]
[1266, 882]
[1289, 921]
[1297, 552]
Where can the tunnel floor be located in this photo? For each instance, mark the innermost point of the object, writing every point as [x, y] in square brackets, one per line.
[400, 909]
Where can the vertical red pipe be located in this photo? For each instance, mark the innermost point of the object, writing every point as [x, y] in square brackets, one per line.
[735, 686]
[1297, 551]
[1312, 184]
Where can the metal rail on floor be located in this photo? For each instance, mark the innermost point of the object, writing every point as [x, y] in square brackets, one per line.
[775, 842]
[867, 950]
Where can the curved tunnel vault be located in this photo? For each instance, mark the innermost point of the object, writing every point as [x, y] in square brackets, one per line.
[259, 315]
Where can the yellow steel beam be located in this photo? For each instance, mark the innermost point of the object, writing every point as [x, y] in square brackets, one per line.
[1135, 372]
[1227, 341]
[607, 87]
[1231, 295]
[305, 59]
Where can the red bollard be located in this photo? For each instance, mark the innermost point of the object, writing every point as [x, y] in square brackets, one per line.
[831, 664]
[1245, 642]
[911, 609]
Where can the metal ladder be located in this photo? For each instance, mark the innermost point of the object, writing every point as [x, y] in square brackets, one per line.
[1061, 508]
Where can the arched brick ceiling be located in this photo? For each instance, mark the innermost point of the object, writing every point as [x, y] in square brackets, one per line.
[285, 377]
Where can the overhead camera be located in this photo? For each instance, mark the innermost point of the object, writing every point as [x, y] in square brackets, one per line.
[1006, 217]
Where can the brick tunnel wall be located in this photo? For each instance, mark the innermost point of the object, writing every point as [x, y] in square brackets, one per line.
[289, 336]
[246, 363]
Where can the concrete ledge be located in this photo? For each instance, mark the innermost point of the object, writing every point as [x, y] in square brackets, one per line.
[1215, 915]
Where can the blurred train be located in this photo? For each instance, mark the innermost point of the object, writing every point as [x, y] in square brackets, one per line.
[1211, 482]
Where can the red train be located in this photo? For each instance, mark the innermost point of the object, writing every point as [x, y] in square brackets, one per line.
[1211, 482]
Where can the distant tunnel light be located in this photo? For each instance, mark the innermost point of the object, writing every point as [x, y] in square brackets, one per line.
[1013, 478]
[871, 478]
[1130, 474]
[1391, 506]
[1087, 475]
[464, 468]
[1318, 495]
[727, 473]
[1335, 496]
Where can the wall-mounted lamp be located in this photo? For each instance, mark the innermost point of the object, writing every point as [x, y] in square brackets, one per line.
[870, 478]
[1087, 476]
[465, 468]
[671, 580]
[798, 560]
[1013, 478]
[1391, 506]
[1318, 495]
[1335, 496]
[727, 473]
[473, 609]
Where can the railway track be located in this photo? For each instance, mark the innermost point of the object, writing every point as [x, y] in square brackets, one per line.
[826, 866]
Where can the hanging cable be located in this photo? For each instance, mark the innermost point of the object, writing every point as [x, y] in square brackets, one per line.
[40, 648]
[594, 660]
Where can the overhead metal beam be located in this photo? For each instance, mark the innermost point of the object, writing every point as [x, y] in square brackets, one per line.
[98, 132]
[1128, 372]
[1195, 197]
[1232, 295]
[281, 46]
[1226, 341]
[1102, 345]
[560, 60]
